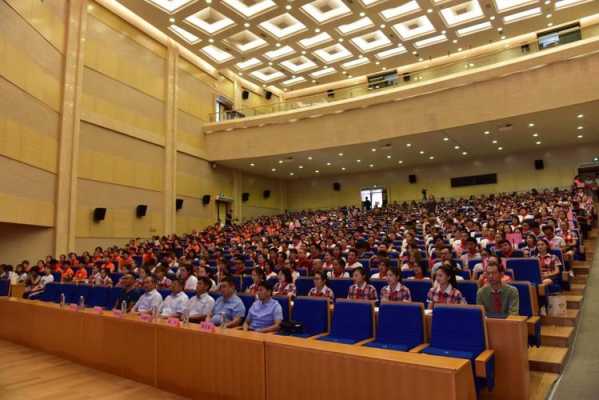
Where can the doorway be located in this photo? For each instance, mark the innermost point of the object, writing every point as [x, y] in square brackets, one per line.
[376, 195]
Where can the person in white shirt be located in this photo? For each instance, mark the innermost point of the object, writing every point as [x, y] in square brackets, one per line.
[200, 305]
[352, 260]
[47, 277]
[150, 299]
[189, 278]
[174, 304]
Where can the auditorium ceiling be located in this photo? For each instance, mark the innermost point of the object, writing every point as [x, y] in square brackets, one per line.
[288, 45]
[542, 131]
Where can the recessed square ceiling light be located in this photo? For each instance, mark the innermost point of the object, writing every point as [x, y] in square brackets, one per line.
[430, 41]
[508, 5]
[356, 26]
[333, 53]
[368, 3]
[216, 54]
[250, 8]
[396, 12]
[267, 74]
[283, 26]
[294, 81]
[533, 12]
[371, 41]
[315, 40]
[323, 72]
[247, 64]
[355, 63]
[414, 28]
[400, 49]
[469, 30]
[299, 64]
[209, 21]
[326, 10]
[279, 53]
[171, 6]
[185, 35]
[560, 5]
[462, 13]
[245, 41]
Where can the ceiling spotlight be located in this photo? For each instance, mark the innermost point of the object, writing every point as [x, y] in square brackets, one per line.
[309, 157]
[340, 154]
[291, 174]
[504, 37]
[280, 161]
[464, 153]
[415, 53]
[494, 141]
[171, 20]
[383, 26]
[548, 16]
[400, 162]
[500, 148]
[408, 144]
[580, 128]
[288, 7]
[342, 168]
[421, 151]
[252, 165]
[486, 132]
[431, 158]
[445, 139]
[456, 147]
[535, 135]
[358, 161]
[211, 40]
[492, 18]
[579, 136]
[378, 63]
[278, 44]
[547, 2]
[421, 59]
[580, 116]
[362, 14]
[300, 166]
[460, 49]
[328, 164]
[373, 149]
[430, 10]
[247, 25]
[550, 24]
[317, 171]
[454, 41]
[531, 125]
[274, 170]
[538, 142]
[208, 1]
[388, 157]
[371, 165]
[340, 40]
[316, 30]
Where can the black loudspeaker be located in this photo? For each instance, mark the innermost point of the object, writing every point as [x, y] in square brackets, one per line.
[206, 199]
[268, 95]
[141, 210]
[539, 164]
[245, 196]
[245, 95]
[99, 214]
[266, 194]
[331, 93]
[407, 77]
[336, 186]
[179, 204]
[412, 178]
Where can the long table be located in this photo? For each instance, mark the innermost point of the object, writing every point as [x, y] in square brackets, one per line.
[233, 364]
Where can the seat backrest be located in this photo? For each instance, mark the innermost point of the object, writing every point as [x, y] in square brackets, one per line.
[525, 269]
[246, 281]
[216, 295]
[313, 313]
[401, 323]
[365, 262]
[418, 288]
[340, 287]
[378, 285]
[458, 328]
[472, 263]
[407, 274]
[285, 305]
[527, 297]
[52, 292]
[4, 287]
[353, 319]
[164, 293]
[303, 284]
[237, 281]
[468, 289]
[247, 300]
[98, 297]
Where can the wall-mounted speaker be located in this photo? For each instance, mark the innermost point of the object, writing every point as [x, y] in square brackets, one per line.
[266, 194]
[407, 77]
[99, 214]
[412, 178]
[245, 95]
[539, 164]
[336, 186]
[179, 204]
[331, 93]
[141, 210]
[245, 196]
[206, 199]
[268, 95]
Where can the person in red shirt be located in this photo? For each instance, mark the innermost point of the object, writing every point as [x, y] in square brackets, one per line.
[80, 275]
[67, 272]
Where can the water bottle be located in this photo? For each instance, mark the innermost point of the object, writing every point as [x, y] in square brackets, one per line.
[186, 317]
[124, 307]
[223, 321]
[81, 302]
[154, 313]
[62, 300]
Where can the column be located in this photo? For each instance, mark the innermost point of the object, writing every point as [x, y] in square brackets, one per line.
[68, 145]
[170, 147]
[237, 189]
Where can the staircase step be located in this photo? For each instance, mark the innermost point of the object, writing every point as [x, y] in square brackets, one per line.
[547, 358]
[582, 269]
[568, 320]
[582, 278]
[573, 301]
[557, 336]
[541, 384]
[576, 288]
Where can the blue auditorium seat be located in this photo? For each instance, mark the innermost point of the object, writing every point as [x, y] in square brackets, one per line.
[529, 308]
[525, 269]
[401, 326]
[378, 285]
[312, 313]
[407, 274]
[57, 276]
[353, 321]
[247, 300]
[472, 263]
[246, 281]
[237, 281]
[215, 295]
[469, 290]
[285, 305]
[4, 287]
[303, 284]
[164, 293]
[464, 274]
[340, 287]
[98, 296]
[419, 288]
[460, 332]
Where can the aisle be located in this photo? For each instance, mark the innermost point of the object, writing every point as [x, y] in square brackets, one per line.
[580, 379]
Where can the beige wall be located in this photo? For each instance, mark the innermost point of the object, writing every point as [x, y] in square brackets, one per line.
[24, 242]
[515, 172]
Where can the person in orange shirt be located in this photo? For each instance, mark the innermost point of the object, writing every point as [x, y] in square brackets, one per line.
[67, 272]
[80, 275]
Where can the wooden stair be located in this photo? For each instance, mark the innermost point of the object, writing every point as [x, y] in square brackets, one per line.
[573, 301]
[541, 384]
[547, 358]
[569, 320]
[577, 288]
[557, 336]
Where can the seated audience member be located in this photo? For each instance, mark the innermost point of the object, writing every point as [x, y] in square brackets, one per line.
[384, 265]
[80, 275]
[338, 270]
[67, 272]
[497, 297]
[162, 281]
[33, 284]
[150, 300]
[266, 314]
[101, 278]
[529, 247]
[444, 290]
[555, 242]
[257, 277]
[361, 289]
[352, 260]
[130, 293]
[320, 288]
[445, 258]
[47, 277]
[493, 261]
[200, 306]
[228, 308]
[285, 285]
[174, 304]
[316, 266]
[189, 278]
[550, 263]
[507, 251]
[395, 291]
[471, 252]
[203, 273]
